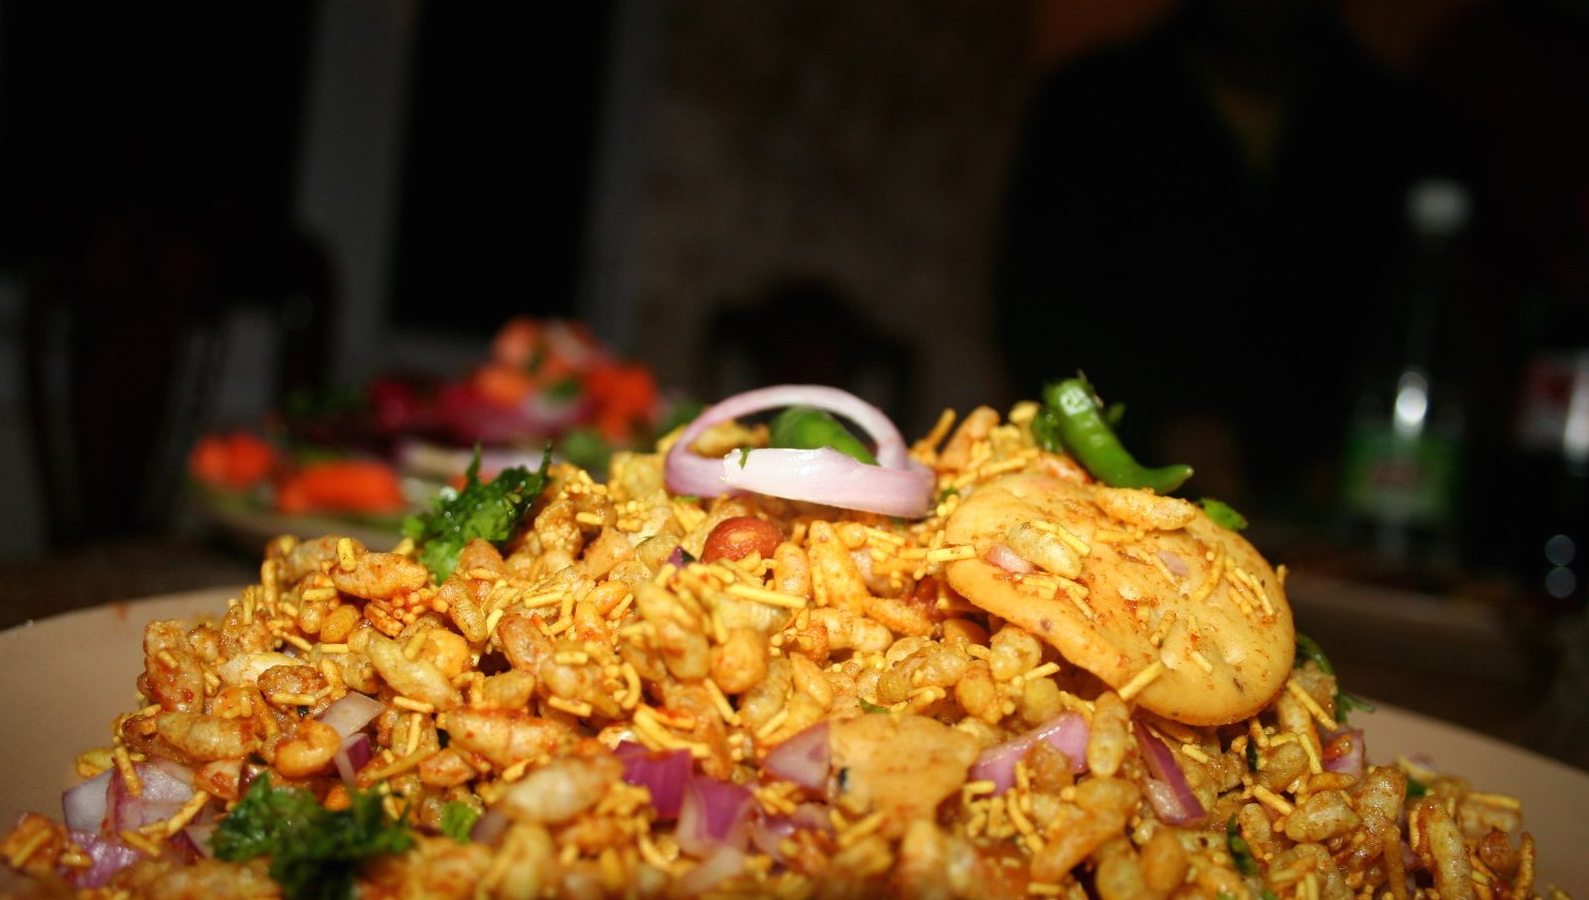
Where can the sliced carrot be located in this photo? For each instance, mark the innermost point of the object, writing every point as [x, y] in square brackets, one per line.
[503, 385]
[232, 461]
[516, 342]
[624, 393]
[348, 485]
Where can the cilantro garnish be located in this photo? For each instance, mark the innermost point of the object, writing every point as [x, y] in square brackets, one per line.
[873, 707]
[1308, 648]
[314, 851]
[457, 818]
[1223, 514]
[489, 510]
[1416, 788]
[1240, 850]
[1252, 756]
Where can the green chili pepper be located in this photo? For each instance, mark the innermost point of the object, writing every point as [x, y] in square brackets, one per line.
[804, 428]
[1240, 850]
[1223, 514]
[1074, 418]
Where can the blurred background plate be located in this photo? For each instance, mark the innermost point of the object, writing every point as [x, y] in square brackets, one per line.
[68, 677]
[248, 529]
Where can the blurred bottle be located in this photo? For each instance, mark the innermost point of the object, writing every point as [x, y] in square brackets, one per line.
[1548, 514]
[1403, 466]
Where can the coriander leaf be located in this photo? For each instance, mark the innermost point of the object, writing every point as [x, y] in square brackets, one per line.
[489, 510]
[873, 707]
[565, 391]
[1308, 648]
[1252, 756]
[314, 852]
[805, 428]
[1416, 788]
[1223, 514]
[1267, 894]
[1345, 703]
[457, 818]
[1240, 850]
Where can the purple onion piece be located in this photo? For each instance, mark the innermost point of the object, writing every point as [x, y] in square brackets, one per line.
[714, 814]
[1067, 732]
[489, 828]
[720, 865]
[1166, 770]
[664, 773]
[1002, 556]
[767, 832]
[1345, 752]
[84, 807]
[108, 856]
[802, 758]
[351, 713]
[352, 756]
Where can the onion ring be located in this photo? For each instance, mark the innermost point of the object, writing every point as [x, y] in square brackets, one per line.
[897, 485]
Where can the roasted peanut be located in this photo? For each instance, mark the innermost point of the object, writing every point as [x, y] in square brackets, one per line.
[739, 536]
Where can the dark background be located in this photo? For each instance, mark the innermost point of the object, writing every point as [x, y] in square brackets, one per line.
[1202, 204]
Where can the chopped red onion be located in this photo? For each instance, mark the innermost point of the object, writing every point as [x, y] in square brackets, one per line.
[352, 755]
[803, 758]
[1344, 752]
[722, 864]
[663, 773]
[177, 771]
[1002, 556]
[1167, 804]
[1067, 732]
[1168, 791]
[351, 713]
[897, 485]
[714, 814]
[489, 828]
[161, 794]
[109, 856]
[768, 832]
[83, 807]
[200, 835]
[1174, 563]
[165, 779]
[814, 817]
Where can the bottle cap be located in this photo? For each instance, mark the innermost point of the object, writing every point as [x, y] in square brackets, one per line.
[1438, 207]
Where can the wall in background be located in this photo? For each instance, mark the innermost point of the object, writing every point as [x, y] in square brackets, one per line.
[861, 145]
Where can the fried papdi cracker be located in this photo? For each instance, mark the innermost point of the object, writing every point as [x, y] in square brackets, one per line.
[1193, 621]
